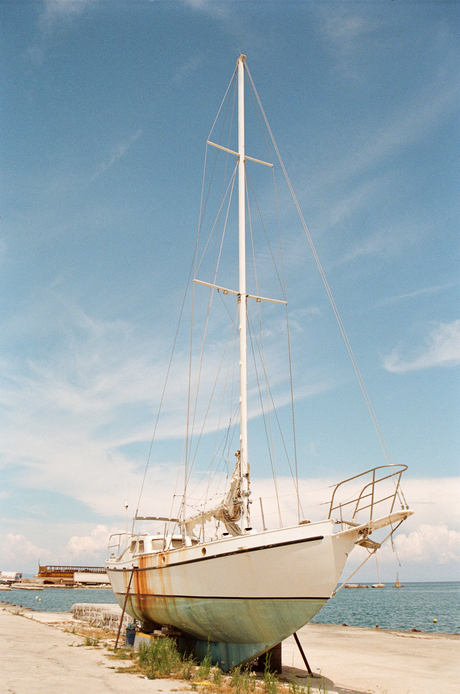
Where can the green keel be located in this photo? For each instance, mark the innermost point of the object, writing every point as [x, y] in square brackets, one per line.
[223, 655]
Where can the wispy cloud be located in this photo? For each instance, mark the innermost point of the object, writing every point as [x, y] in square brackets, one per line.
[387, 242]
[352, 34]
[117, 151]
[213, 8]
[53, 15]
[344, 31]
[424, 291]
[440, 348]
[186, 69]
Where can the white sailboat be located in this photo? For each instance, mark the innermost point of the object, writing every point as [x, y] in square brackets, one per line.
[379, 584]
[243, 590]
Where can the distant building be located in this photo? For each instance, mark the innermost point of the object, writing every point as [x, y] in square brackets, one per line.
[10, 576]
[69, 575]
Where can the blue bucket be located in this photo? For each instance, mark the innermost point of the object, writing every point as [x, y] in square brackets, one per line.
[130, 636]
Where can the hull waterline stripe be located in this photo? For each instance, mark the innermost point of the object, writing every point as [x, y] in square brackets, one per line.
[217, 597]
[216, 556]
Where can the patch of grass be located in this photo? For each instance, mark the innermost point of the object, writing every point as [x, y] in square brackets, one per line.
[121, 653]
[159, 659]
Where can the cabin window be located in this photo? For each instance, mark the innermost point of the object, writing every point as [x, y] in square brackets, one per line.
[141, 546]
[133, 546]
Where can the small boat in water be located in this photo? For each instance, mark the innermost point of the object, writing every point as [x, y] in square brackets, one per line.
[231, 589]
[379, 584]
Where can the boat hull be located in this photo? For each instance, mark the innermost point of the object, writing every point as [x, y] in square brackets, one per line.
[255, 589]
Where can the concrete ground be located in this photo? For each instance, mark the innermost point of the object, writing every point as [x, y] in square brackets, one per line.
[36, 659]
[352, 659]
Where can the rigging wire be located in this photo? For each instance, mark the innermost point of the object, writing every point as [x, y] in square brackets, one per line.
[190, 450]
[351, 355]
[282, 282]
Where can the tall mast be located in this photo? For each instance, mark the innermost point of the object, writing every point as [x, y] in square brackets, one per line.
[242, 291]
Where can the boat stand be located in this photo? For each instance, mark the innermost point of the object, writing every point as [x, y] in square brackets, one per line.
[304, 658]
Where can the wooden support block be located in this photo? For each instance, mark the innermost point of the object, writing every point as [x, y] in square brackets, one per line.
[273, 657]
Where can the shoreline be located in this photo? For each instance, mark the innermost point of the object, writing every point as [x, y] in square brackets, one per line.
[408, 632]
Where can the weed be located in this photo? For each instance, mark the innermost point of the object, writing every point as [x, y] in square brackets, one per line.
[322, 686]
[91, 641]
[187, 667]
[248, 681]
[217, 676]
[236, 678]
[205, 666]
[295, 688]
[270, 679]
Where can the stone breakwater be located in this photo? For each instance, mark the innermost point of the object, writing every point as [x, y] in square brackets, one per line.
[104, 616]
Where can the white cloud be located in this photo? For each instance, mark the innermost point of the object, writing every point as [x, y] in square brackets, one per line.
[426, 546]
[430, 543]
[17, 551]
[441, 348]
[89, 545]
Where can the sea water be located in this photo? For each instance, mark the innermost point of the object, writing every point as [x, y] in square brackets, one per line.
[56, 599]
[424, 606]
[415, 606]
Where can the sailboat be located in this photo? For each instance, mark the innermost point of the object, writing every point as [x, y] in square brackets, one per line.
[241, 591]
[379, 584]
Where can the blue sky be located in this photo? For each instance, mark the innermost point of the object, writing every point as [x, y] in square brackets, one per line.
[106, 107]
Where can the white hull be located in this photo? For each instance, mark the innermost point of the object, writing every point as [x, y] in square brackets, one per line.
[256, 588]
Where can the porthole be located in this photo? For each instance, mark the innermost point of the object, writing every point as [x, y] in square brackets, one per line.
[203, 551]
